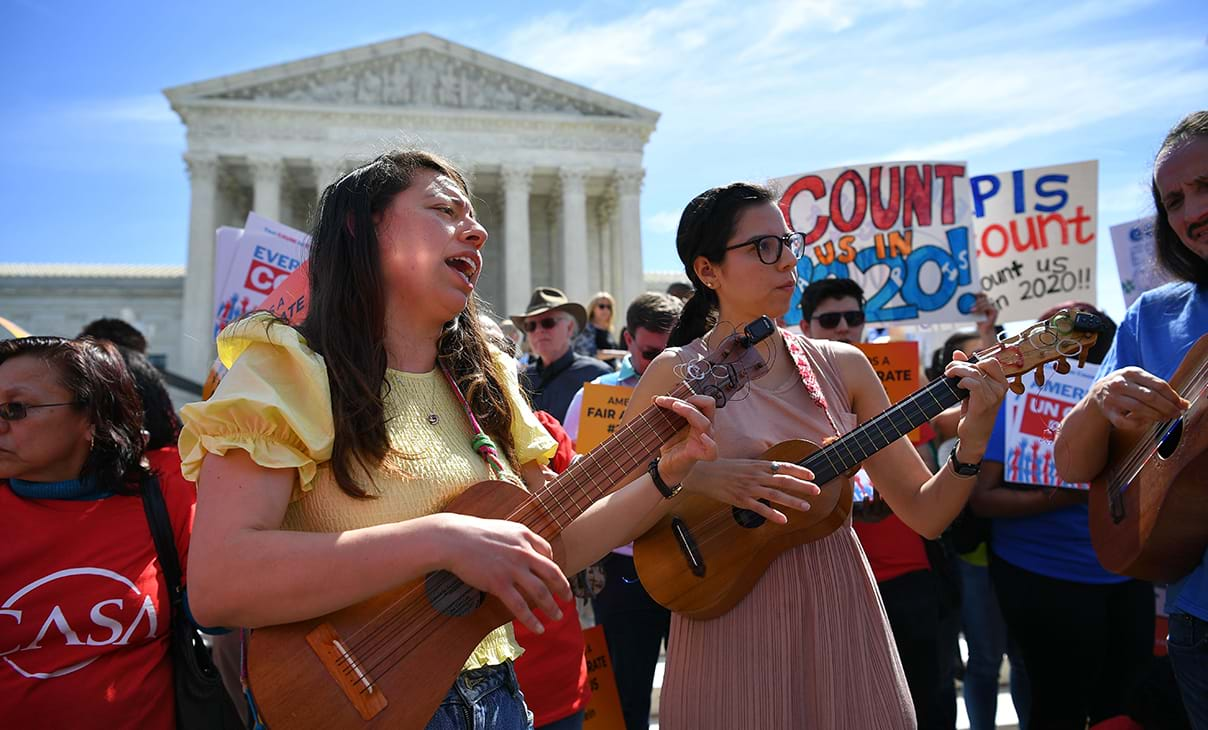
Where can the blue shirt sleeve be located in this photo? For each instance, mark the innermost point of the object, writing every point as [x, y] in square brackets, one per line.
[1124, 350]
[996, 448]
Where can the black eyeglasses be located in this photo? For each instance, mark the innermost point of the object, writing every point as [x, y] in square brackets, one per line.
[603, 305]
[650, 354]
[546, 324]
[770, 248]
[830, 320]
[17, 410]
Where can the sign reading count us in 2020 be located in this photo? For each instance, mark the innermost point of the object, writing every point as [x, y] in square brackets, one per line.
[1036, 236]
[902, 230]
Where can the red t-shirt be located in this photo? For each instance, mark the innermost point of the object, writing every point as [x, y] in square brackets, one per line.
[84, 609]
[893, 549]
[553, 671]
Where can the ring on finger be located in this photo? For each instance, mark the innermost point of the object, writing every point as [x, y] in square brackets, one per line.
[775, 466]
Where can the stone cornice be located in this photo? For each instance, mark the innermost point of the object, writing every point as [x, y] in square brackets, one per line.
[214, 125]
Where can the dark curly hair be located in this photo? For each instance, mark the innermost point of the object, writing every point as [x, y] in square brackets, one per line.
[95, 374]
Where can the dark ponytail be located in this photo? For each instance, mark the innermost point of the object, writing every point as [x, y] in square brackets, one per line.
[704, 228]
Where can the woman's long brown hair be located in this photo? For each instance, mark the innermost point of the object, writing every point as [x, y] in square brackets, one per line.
[346, 320]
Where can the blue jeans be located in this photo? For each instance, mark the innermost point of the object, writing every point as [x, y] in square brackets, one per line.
[986, 636]
[1187, 644]
[488, 698]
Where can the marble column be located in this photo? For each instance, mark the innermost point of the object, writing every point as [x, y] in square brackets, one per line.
[517, 255]
[197, 320]
[606, 213]
[629, 234]
[574, 234]
[266, 186]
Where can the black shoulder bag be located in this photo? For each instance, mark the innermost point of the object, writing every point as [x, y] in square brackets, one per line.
[202, 702]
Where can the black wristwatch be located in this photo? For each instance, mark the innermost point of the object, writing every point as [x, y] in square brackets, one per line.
[667, 491]
[961, 468]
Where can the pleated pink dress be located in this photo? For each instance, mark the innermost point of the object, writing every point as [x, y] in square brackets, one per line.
[810, 646]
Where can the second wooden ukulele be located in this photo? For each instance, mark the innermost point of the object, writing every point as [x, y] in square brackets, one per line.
[705, 556]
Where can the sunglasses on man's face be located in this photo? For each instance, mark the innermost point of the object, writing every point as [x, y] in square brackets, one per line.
[546, 324]
[650, 354]
[16, 410]
[830, 320]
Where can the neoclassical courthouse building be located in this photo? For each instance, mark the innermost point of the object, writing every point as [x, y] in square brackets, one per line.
[556, 170]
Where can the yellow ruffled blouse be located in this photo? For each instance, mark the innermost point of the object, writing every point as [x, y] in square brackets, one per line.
[275, 404]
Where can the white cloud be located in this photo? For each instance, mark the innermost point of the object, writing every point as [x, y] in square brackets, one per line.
[666, 221]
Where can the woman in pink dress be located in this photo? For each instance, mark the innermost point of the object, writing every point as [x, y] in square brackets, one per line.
[810, 646]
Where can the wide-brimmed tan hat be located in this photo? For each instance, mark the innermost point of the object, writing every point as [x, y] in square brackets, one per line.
[548, 299]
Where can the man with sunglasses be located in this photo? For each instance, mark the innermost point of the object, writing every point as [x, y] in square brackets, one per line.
[556, 371]
[635, 627]
[833, 309]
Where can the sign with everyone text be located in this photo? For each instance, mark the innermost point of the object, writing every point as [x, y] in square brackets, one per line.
[603, 406]
[902, 230]
[264, 256]
[1136, 259]
[1033, 420]
[1036, 237]
[897, 365]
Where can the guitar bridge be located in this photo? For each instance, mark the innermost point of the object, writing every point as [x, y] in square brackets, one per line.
[687, 545]
[347, 671]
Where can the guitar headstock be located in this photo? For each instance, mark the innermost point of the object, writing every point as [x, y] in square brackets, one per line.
[729, 367]
[1068, 334]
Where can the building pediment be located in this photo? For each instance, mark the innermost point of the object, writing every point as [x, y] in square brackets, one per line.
[415, 72]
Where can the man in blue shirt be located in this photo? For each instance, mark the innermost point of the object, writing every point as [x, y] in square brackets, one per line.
[1132, 391]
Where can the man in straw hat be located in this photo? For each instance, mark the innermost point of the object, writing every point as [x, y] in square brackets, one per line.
[557, 372]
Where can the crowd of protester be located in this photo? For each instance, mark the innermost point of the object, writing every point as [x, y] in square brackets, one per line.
[860, 629]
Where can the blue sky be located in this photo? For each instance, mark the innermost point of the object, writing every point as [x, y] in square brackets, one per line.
[92, 169]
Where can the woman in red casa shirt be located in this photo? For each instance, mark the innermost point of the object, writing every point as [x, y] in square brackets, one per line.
[84, 621]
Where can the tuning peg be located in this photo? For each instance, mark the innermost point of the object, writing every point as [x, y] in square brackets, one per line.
[1062, 365]
[1038, 376]
[1082, 357]
[1017, 385]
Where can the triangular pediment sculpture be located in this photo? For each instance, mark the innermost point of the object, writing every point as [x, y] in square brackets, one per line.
[419, 71]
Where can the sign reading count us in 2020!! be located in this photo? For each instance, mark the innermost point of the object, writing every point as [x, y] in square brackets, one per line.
[1036, 236]
[902, 230]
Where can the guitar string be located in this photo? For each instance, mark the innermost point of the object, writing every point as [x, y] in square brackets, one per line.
[366, 648]
[1143, 452]
[721, 521]
[406, 640]
[1149, 444]
[527, 511]
[614, 472]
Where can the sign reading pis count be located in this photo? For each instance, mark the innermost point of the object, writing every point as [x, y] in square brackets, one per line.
[902, 230]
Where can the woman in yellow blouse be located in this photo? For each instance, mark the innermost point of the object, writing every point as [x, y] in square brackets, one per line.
[325, 455]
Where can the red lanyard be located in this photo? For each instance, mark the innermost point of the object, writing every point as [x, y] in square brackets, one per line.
[797, 350]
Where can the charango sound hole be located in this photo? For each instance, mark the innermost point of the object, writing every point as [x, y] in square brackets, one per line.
[448, 595]
[748, 519]
[1170, 440]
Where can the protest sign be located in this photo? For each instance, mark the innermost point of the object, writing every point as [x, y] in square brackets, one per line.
[603, 406]
[289, 300]
[897, 365]
[265, 255]
[1032, 422]
[1036, 236]
[902, 230]
[1136, 259]
[603, 710]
